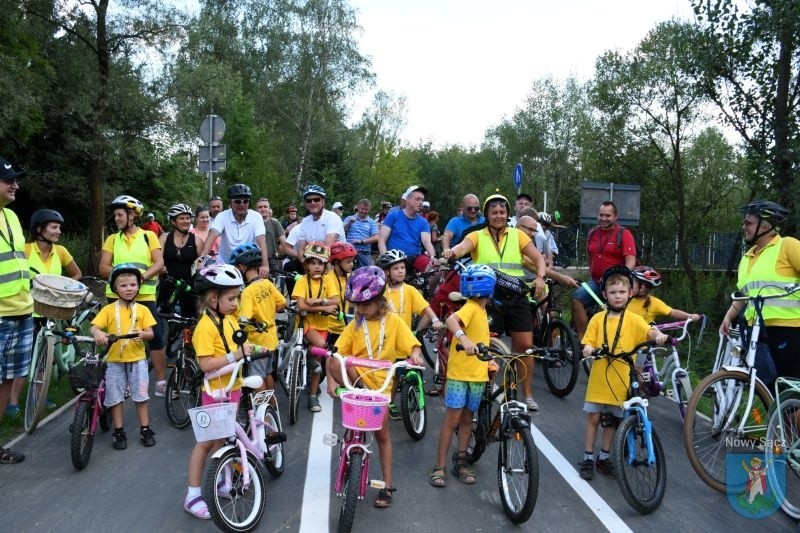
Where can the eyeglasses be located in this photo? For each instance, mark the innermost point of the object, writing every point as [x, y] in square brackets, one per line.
[313, 200]
[240, 201]
[527, 228]
[471, 208]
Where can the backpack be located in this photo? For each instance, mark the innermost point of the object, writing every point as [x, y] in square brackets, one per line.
[620, 231]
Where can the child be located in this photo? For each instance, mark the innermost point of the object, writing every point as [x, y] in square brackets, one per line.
[260, 301]
[374, 333]
[645, 279]
[127, 366]
[343, 257]
[315, 294]
[219, 287]
[466, 374]
[609, 380]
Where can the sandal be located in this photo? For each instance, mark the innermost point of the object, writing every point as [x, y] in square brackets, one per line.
[465, 475]
[197, 507]
[436, 476]
[8, 457]
[384, 498]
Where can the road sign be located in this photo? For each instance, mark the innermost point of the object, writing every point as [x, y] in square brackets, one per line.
[212, 129]
[518, 175]
[212, 166]
[211, 152]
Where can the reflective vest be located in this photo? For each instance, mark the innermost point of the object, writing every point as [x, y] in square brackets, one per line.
[139, 255]
[507, 259]
[15, 275]
[762, 279]
[36, 263]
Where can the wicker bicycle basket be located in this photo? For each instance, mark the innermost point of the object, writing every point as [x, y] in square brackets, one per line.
[86, 376]
[57, 296]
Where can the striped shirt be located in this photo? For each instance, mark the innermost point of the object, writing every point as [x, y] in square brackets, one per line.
[359, 230]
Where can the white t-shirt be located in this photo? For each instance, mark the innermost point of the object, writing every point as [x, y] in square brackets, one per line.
[232, 234]
[316, 230]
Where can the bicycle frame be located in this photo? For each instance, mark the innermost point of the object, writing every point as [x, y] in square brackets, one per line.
[672, 368]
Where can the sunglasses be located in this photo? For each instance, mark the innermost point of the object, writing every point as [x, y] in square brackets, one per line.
[471, 208]
[313, 200]
[240, 201]
[526, 228]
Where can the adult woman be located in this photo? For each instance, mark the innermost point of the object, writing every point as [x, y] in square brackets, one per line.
[181, 248]
[507, 249]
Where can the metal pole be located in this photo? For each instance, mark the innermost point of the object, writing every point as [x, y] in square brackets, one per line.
[210, 156]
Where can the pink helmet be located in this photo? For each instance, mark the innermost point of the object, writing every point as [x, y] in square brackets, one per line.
[365, 284]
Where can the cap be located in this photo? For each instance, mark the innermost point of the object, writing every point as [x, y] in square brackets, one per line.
[426, 204]
[526, 196]
[337, 205]
[413, 188]
[150, 215]
[386, 204]
[7, 172]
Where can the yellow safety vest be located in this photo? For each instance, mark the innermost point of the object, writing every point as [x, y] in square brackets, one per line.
[15, 275]
[762, 279]
[139, 255]
[508, 259]
[36, 263]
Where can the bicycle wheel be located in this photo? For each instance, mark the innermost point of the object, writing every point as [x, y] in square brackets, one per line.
[183, 391]
[642, 484]
[274, 460]
[711, 428]
[350, 489]
[39, 380]
[683, 391]
[784, 447]
[480, 432]
[298, 368]
[561, 367]
[429, 353]
[82, 438]
[412, 405]
[518, 474]
[232, 505]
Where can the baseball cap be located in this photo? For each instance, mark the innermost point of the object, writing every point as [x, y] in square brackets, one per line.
[150, 215]
[526, 196]
[426, 204]
[7, 172]
[337, 205]
[413, 188]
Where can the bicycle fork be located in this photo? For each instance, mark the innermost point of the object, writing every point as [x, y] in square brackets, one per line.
[356, 441]
[637, 406]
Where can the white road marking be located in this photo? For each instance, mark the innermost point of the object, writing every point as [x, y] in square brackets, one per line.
[317, 488]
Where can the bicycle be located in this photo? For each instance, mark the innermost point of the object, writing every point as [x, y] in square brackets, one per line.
[89, 374]
[412, 402]
[183, 383]
[636, 450]
[363, 411]
[233, 484]
[292, 364]
[509, 424]
[782, 444]
[728, 411]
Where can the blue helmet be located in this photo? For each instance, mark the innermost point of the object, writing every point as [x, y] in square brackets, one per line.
[246, 254]
[313, 189]
[477, 281]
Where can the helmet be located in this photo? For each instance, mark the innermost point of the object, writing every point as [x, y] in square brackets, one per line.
[41, 217]
[239, 190]
[391, 257]
[493, 199]
[342, 250]
[316, 250]
[545, 218]
[127, 202]
[771, 212]
[365, 284]
[313, 189]
[123, 268]
[386, 204]
[460, 265]
[217, 277]
[610, 271]
[179, 209]
[246, 254]
[647, 275]
[477, 281]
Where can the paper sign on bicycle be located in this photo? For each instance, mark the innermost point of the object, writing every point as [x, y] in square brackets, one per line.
[755, 486]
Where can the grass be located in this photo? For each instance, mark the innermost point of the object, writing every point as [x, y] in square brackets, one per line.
[60, 392]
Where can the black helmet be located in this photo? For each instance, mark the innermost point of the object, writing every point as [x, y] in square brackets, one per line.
[616, 270]
[239, 190]
[768, 211]
[41, 217]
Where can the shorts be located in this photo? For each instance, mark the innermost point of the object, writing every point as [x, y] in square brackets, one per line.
[261, 367]
[783, 342]
[460, 394]
[583, 295]
[123, 376]
[16, 347]
[593, 407]
[205, 399]
[510, 313]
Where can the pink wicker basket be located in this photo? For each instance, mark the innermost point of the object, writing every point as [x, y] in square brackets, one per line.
[363, 410]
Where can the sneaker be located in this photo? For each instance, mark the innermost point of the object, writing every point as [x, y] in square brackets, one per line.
[394, 412]
[605, 466]
[531, 403]
[12, 410]
[148, 437]
[161, 389]
[120, 440]
[313, 404]
[586, 469]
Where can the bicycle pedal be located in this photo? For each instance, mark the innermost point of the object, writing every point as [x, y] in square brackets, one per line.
[276, 437]
[377, 484]
[330, 439]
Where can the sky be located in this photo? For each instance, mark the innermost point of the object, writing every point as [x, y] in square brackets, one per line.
[464, 65]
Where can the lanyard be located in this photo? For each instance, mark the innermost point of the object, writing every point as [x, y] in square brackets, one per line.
[319, 293]
[616, 335]
[381, 336]
[132, 307]
[496, 244]
[220, 328]
[10, 239]
[402, 300]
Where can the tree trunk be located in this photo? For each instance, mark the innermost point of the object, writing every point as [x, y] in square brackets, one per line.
[782, 157]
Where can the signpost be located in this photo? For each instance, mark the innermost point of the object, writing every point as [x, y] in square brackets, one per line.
[211, 156]
[518, 177]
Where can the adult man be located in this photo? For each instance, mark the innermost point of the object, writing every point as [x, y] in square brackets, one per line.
[214, 206]
[769, 265]
[604, 249]
[16, 303]
[238, 225]
[524, 200]
[273, 232]
[405, 229]
[151, 224]
[525, 225]
[338, 208]
[320, 225]
[471, 216]
[291, 219]
[361, 231]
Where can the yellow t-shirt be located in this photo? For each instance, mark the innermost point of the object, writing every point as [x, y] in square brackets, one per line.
[463, 367]
[340, 283]
[319, 288]
[656, 309]
[126, 350]
[406, 301]
[398, 342]
[208, 343]
[260, 301]
[51, 265]
[609, 380]
[152, 242]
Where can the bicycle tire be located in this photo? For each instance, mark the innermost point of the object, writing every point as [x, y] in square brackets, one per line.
[561, 374]
[642, 485]
[82, 438]
[183, 392]
[427, 355]
[239, 508]
[413, 414]
[775, 452]
[295, 379]
[708, 441]
[480, 432]
[682, 392]
[351, 487]
[274, 460]
[38, 382]
[518, 474]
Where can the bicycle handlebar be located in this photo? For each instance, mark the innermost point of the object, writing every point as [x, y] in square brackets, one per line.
[681, 324]
[374, 364]
[789, 289]
[599, 353]
[487, 353]
[259, 352]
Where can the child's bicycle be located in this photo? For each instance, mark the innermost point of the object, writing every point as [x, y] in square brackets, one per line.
[363, 411]
[783, 445]
[233, 484]
[412, 402]
[292, 364]
[89, 375]
[503, 418]
[183, 383]
[636, 451]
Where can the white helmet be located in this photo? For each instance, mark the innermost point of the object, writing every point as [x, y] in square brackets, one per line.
[179, 209]
[218, 277]
[128, 202]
